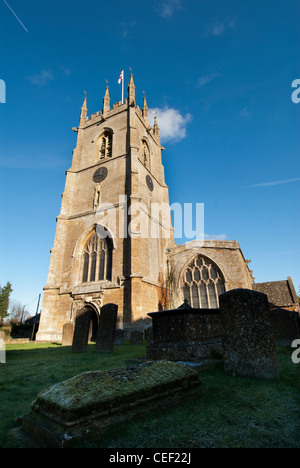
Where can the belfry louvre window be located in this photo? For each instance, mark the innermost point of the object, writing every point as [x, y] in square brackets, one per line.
[202, 284]
[105, 145]
[97, 259]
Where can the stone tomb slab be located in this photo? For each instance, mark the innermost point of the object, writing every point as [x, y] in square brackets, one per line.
[248, 342]
[185, 334]
[94, 401]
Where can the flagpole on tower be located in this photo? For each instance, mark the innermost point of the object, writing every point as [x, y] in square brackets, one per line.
[121, 78]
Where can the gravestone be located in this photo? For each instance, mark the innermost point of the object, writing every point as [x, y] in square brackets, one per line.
[127, 335]
[119, 337]
[149, 334]
[81, 330]
[67, 334]
[107, 328]
[136, 337]
[248, 343]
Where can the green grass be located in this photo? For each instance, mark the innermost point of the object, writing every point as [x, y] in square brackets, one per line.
[225, 412]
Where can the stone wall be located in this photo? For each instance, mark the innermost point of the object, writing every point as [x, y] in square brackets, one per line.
[285, 325]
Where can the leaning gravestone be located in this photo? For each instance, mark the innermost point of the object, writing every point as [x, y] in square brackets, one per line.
[136, 337]
[67, 334]
[107, 328]
[248, 343]
[81, 330]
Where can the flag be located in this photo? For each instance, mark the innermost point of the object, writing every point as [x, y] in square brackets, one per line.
[121, 77]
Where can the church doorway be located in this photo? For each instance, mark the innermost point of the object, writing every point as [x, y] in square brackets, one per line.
[93, 325]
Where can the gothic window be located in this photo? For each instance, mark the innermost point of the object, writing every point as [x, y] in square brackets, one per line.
[97, 259]
[202, 284]
[105, 145]
[145, 154]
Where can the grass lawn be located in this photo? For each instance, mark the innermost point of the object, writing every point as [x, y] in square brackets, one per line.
[225, 412]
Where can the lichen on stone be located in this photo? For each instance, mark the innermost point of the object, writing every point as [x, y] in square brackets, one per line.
[102, 390]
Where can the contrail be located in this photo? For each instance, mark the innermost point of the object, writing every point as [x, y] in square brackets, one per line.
[269, 184]
[15, 15]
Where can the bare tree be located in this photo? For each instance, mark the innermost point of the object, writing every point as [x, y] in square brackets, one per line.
[17, 313]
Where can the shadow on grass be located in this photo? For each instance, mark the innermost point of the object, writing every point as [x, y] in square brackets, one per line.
[33, 367]
[226, 412]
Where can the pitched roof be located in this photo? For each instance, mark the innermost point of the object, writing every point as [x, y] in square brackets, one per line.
[280, 293]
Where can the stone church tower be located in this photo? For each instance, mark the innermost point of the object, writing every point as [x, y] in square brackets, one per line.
[101, 252]
[114, 241]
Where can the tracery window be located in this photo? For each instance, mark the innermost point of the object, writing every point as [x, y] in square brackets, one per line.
[105, 145]
[203, 283]
[97, 259]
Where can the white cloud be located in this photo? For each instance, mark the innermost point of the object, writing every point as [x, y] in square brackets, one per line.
[41, 78]
[166, 8]
[203, 80]
[172, 124]
[245, 112]
[126, 28]
[65, 71]
[216, 29]
[219, 28]
[215, 236]
[270, 184]
[44, 76]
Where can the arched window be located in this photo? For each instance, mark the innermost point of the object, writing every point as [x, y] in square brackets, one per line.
[203, 283]
[97, 259]
[105, 145]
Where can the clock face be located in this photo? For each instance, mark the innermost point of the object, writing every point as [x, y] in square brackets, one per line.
[149, 183]
[100, 174]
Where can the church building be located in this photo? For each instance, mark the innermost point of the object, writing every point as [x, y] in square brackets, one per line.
[111, 244]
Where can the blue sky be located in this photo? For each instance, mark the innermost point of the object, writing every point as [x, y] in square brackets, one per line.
[220, 74]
